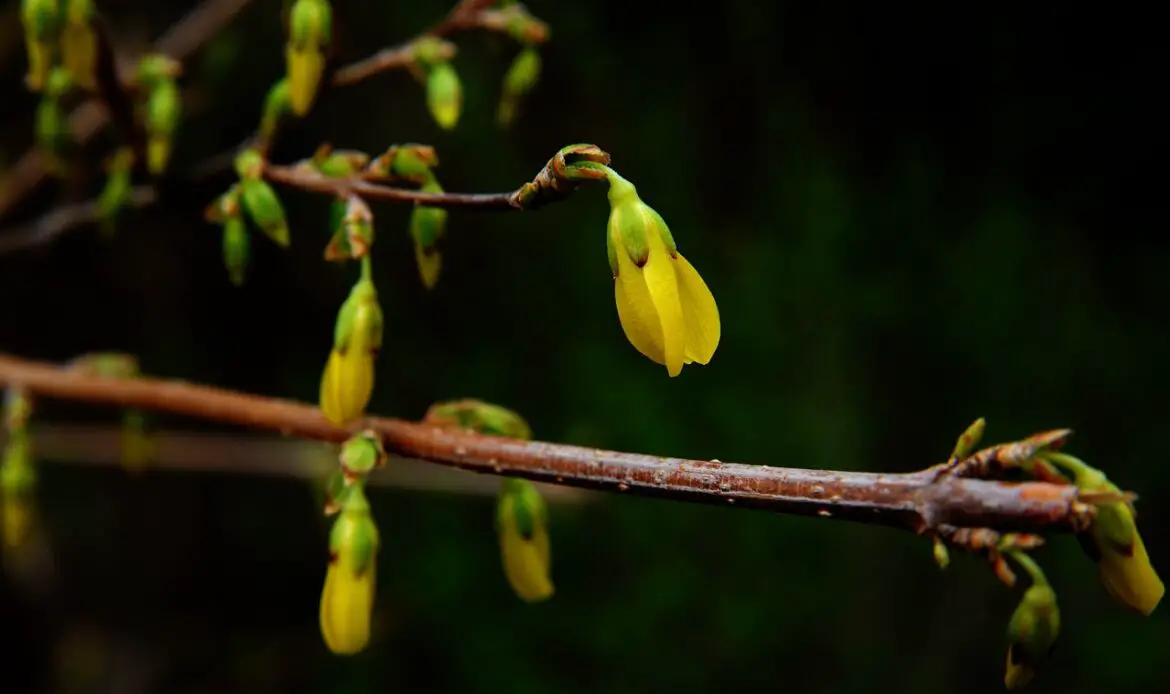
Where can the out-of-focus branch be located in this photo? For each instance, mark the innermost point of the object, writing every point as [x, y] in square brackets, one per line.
[62, 219]
[179, 42]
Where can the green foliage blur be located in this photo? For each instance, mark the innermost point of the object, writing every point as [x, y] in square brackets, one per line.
[910, 215]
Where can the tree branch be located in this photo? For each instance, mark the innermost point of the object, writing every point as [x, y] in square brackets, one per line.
[181, 40]
[923, 502]
[313, 181]
[61, 219]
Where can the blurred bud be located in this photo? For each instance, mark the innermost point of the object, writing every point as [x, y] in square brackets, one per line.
[138, 446]
[522, 526]
[666, 310]
[338, 163]
[360, 454]
[354, 234]
[523, 27]
[249, 165]
[224, 207]
[162, 109]
[263, 206]
[427, 226]
[79, 43]
[54, 136]
[941, 556]
[116, 193]
[430, 50]
[1113, 540]
[42, 26]
[518, 81]
[348, 380]
[277, 105]
[236, 249]
[479, 416]
[347, 600]
[105, 364]
[17, 409]
[1032, 630]
[444, 95]
[969, 439]
[409, 162]
[17, 480]
[310, 30]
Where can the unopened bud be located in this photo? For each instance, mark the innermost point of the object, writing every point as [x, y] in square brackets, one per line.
[522, 526]
[479, 416]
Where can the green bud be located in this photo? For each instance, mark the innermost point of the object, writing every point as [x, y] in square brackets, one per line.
[354, 235]
[42, 22]
[163, 106]
[479, 416]
[17, 409]
[224, 207]
[263, 206]
[277, 106]
[969, 439]
[79, 43]
[54, 136]
[519, 79]
[338, 163]
[156, 67]
[18, 477]
[431, 50]
[117, 365]
[444, 95]
[236, 249]
[310, 31]
[410, 162]
[360, 318]
[360, 454]
[1033, 629]
[427, 226]
[116, 192]
[249, 164]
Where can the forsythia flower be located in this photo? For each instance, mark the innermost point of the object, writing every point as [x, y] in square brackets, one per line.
[1114, 542]
[348, 380]
[1031, 633]
[665, 308]
[310, 30]
[347, 599]
[521, 521]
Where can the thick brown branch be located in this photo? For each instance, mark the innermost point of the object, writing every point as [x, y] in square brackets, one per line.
[180, 41]
[919, 501]
[310, 180]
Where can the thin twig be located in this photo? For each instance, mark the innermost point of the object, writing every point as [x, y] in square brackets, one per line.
[179, 42]
[920, 501]
[62, 219]
[181, 451]
[310, 180]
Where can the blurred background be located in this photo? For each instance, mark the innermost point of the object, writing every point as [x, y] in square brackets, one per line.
[910, 214]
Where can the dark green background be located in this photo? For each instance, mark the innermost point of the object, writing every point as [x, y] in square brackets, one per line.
[911, 214]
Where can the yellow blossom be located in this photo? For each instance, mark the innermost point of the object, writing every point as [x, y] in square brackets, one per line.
[348, 380]
[522, 521]
[665, 308]
[347, 600]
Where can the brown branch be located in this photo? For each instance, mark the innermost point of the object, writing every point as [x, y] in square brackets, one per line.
[101, 445]
[310, 180]
[179, 42]
[921, 502]
[62, 219]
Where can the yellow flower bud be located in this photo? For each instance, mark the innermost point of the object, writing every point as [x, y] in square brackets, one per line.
[521, 522]
[79, 43]
[347, 600]
[1031, 633]
[348, 380]
[665, 308]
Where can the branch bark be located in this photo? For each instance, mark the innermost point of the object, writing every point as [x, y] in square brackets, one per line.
[309, 180]
[922, 502]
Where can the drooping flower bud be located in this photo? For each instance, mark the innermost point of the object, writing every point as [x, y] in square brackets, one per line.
[522, 526]
[263, 206]
[17, 475]
[347, 600]
[116, 193]
[665, 308]
[79, 43]
[479, 416]
[427, 226]
[1033, 628]
[310, 30]
[410, 162]
[348, 380]
[444, 95]
[353, 232]
[360, 454]
[162, 109]
[277, 105]
[53, 134]
[42, 27]
[336, 163]
[518, 81]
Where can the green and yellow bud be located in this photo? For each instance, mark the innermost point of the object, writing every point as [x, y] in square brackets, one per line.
[409, 162]
[17, 481]
[310, 30]
[338, 163]
[263, 206]
[353, 233]
[478, 416]
[277, 106]
[17, 409]
[1033, 628]
[360, 454]
[54, 136]
[138, 446]
[249, 165]
[162, 111]
[427, 226]
[444, 95]
[1113, 541]
[236, 249]
[42, 22]
[665, 308]
[522, 526]
[347, 600]
[518, 81]
[157, 67]
[79, 43]
[348, 380]
[116, 192]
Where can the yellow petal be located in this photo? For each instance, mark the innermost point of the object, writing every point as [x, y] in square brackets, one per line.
[347, 602]
[1131, 580]
[15, 522]
[662, 283]
[304, 75]
[699, 311]
[636, 310]
[430, 261]
[330, 397]
[526, 563]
